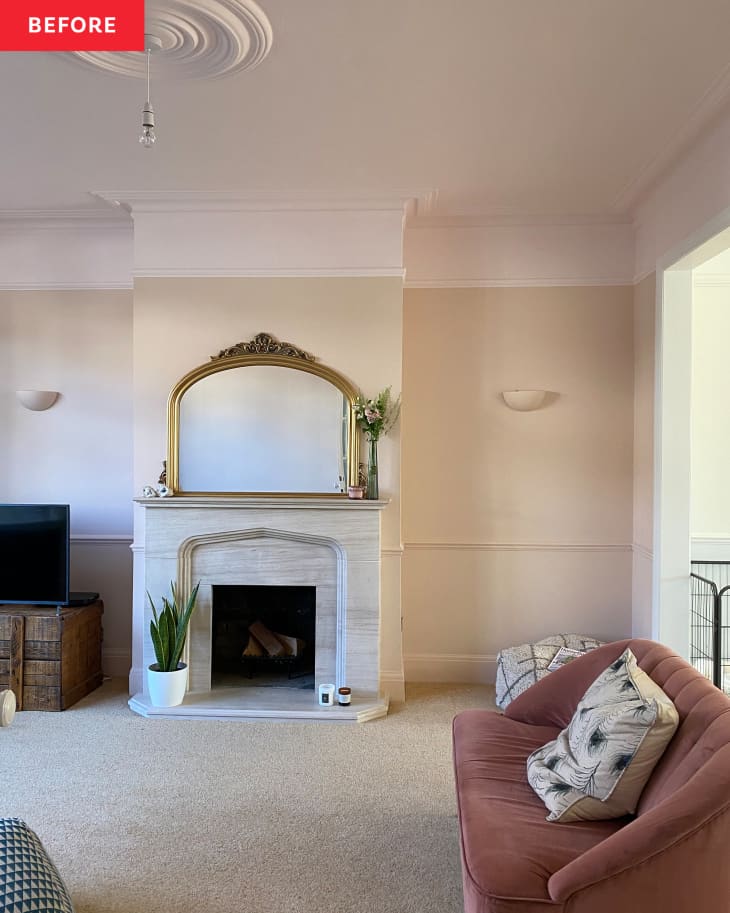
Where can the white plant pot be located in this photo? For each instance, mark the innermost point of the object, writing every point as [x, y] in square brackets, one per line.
[167, 689]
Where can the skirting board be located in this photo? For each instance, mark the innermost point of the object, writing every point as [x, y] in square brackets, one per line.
[116, 662]
[136, 681]
[451, 667]
[393, 684]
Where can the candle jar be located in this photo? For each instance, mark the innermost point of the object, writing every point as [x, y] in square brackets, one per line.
[344, 696]
[326, 695]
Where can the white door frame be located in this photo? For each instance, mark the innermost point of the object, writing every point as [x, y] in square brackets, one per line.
[672, 429]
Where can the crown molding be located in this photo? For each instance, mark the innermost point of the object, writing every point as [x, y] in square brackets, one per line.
[71, 286]
[32, 220]
[516, 220]
[525, 251]
[701, 118]
[283, 273]
[644, 274]
[51, 250]
[526, 282]
[418, 201]
[217, 233]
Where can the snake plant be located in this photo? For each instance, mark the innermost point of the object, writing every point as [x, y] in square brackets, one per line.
[169, 628]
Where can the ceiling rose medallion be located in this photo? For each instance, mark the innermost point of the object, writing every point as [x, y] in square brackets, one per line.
[201, 39]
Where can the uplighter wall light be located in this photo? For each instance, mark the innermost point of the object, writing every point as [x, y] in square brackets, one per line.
[36, 400]
[524, 400]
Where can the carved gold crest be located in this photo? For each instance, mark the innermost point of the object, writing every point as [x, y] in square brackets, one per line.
[263, 344]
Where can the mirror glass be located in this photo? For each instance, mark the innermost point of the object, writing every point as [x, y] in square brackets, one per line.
[263, 428]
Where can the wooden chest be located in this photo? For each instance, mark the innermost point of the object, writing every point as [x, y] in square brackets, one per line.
[50, 658]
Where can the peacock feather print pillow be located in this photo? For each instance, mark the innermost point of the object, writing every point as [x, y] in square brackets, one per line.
[598, 766]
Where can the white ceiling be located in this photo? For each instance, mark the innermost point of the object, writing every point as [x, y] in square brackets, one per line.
[505, 106]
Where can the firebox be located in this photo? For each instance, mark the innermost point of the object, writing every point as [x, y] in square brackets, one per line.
[263, 636]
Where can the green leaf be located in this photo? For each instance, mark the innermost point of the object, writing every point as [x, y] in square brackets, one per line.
[169, 627]
[182, 626]
[168, 637]
[156, 635]
[157, 644]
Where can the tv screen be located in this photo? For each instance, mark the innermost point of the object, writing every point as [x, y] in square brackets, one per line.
[34, 553]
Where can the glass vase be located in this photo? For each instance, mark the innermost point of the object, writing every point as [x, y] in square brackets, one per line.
[373, 493]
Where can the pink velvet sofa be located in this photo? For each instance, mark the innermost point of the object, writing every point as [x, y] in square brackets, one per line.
[672, 857]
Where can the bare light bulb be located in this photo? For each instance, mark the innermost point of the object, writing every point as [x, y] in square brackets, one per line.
[147, 138]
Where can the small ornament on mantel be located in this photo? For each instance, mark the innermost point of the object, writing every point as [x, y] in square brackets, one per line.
[163, 475]
[149, 492]
[164, 491]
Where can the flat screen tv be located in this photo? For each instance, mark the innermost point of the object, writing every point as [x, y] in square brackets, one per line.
[34, 554]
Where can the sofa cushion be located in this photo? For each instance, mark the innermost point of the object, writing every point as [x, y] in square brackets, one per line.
[29, 881]
[598, 766]
[522, 666]
[509, 850]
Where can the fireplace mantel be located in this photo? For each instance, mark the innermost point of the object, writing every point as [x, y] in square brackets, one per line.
[285, 502]
[332, 544]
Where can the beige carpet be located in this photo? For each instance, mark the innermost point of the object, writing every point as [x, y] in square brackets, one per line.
[160, 816]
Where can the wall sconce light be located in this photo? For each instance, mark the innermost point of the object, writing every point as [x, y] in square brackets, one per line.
[524, 400]
[37, 400]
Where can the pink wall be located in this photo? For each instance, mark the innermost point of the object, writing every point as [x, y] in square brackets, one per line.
[516, 525]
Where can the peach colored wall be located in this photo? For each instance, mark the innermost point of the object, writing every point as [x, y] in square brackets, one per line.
[79, 452]
[643, 539]
[351, 324]
[516, 525]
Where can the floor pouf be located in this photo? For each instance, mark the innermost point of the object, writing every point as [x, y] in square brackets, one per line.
[520, 667]
[29, 881]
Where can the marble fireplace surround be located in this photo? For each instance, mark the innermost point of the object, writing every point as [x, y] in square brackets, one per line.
[329, 543]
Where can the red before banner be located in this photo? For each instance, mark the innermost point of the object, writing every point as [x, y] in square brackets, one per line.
[71, 25]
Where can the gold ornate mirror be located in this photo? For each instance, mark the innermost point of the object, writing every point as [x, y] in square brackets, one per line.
[262, 418]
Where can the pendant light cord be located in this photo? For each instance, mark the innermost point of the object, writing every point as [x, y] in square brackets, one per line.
[148, 75]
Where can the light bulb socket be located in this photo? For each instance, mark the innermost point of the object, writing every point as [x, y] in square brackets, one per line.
[152, 43]
[148, 115]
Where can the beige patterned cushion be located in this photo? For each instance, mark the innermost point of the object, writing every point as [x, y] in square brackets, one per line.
[518, 668]
[598, 766]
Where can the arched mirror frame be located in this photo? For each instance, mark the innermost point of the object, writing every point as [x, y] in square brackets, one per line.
[262, 350]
